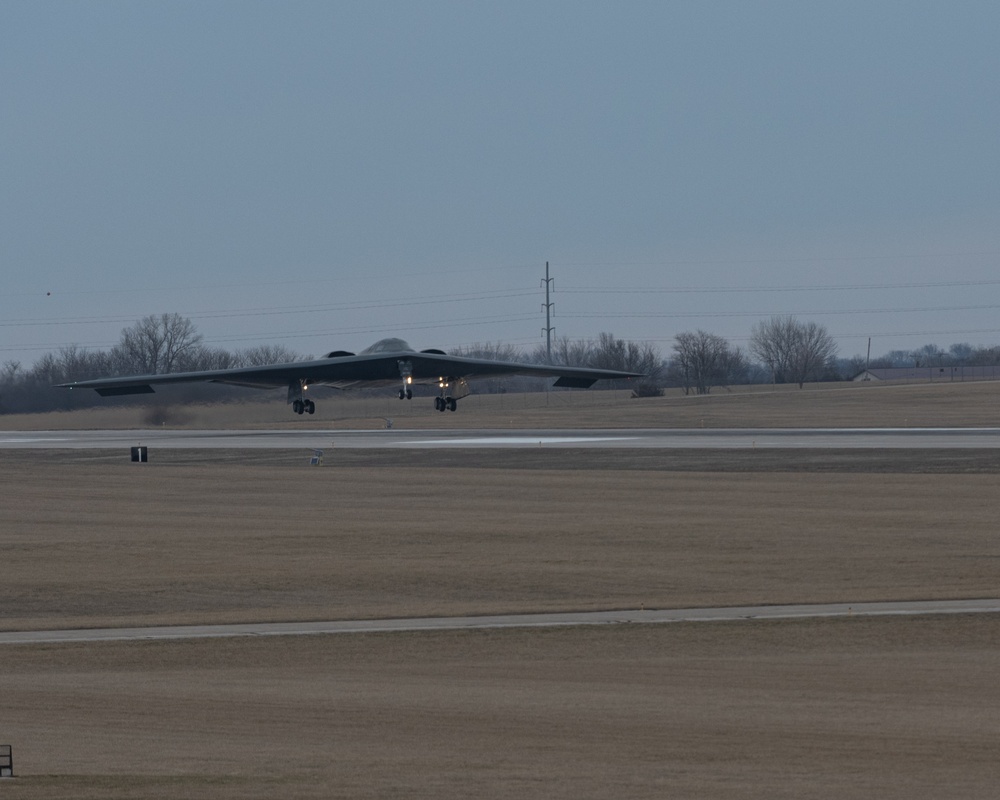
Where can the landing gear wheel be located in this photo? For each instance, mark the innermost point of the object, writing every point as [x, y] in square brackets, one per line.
[409, 393]
[310, 406]
[439, 404]
[451, 403]
[402, 394]
[298, 407]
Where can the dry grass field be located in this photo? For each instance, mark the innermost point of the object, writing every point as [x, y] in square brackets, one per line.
[88, 543]
[888, 707]
[842, 708]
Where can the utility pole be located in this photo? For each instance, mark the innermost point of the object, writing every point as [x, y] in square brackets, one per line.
[547, 305]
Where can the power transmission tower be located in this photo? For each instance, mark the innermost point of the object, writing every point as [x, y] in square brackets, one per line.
[547, 305]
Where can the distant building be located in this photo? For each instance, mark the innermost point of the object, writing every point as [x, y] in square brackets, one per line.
[930, 374]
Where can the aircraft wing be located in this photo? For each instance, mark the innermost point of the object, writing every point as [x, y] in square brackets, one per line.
[386, 363]
[367, 369]
[429, 368]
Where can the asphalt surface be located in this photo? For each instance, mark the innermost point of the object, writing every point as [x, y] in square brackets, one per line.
[844, 438]
[639, 617]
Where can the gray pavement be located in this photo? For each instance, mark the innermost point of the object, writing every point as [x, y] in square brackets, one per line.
[848, 438]
[640, 616]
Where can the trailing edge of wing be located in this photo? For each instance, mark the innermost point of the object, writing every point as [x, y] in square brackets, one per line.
[575, 383]
[112, 391]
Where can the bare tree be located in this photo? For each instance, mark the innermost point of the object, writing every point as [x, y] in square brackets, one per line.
[76, 363]
[704, 360]
[792, 351]
[498, 352]
[211, 358]
[489, 351]
[156, 344]
[985, 356]
[894, 358]
[568, 352]
[814, 353]
[961, 354]
[10, 372]
[627, 356]
[930, 355]
[264, 354]
[771, 341]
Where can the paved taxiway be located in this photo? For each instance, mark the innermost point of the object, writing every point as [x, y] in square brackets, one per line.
[651, 616]
[848, 438]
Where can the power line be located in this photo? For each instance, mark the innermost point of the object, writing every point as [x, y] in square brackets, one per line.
[284, 310]
[861, 336]
[759, 289]
[738, 314]
[774, 260]
[354, 275]
[451, 322]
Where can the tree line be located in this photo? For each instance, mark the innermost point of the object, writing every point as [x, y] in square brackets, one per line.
[159, 343]
[780, 350]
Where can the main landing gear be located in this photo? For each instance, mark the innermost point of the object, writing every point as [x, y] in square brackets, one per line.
[442, 403]
[452, 390]
[300, 405]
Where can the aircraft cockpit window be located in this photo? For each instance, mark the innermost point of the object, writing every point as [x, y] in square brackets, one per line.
[388, 346]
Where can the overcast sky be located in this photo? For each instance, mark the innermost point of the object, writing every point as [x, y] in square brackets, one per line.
[323, 174]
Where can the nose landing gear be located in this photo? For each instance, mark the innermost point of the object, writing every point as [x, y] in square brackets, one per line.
[406, 373]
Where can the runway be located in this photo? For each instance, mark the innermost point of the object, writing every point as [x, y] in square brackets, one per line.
[662, 438]
[633, 617]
